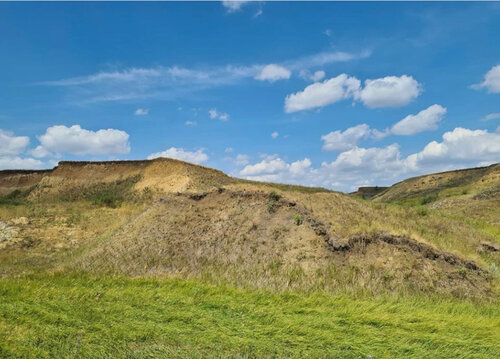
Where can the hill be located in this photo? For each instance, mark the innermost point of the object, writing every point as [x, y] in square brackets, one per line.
[480, 181]
[166, 216]
[136, 234]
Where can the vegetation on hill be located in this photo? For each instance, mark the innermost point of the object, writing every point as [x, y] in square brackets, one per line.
[421, 261]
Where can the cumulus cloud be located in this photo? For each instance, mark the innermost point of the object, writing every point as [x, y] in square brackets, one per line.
[275, 134]
[78, 141]
[11, 149]
[460, 148]
[41, 152]
[339, 141]
[141, 112]
[491, 81]
[358, 162]
[273, 72]
[379, 165]
[323, 93]
[276, 169]
[390, 91]
[198, 156]
[12, 145]
[18, 163]
[425, 120]
[214, 114]
[190, 123]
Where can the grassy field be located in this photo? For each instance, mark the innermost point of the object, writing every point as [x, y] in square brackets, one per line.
[77, 316]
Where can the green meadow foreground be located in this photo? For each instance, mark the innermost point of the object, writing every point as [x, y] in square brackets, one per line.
[79, 316]
[162, 258]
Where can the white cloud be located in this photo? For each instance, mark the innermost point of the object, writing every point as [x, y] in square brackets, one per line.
[314, 77]
[323, 93]
[328, 32]
[425, 120]
[141, 112]
[41, 152]
[174, 82]
[229, 150]
[275, 134]
[491, 116]
[12, 145]
[325, 58]
[214, 114]
[337, 140]
[491, 81]
[462, 146]
[78, 141]
[411, 124]
[374, 162]
[233, 6]
[390, 91]
[318, 75]
[272, 73]
[19, 163]
[190, 123]
[241, 160]
[198, 156]
[277, 170]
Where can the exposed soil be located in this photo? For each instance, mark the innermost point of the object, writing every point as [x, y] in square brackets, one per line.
[411, 260]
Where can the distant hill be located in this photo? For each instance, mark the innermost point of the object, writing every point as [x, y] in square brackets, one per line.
[164, 174]
[477, 181]
[369, 192]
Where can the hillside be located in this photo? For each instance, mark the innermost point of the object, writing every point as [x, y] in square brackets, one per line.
[170, 217]
[147, 236]
[480, 181]
[166, 175]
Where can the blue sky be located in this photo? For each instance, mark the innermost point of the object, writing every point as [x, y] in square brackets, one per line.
[331, 94]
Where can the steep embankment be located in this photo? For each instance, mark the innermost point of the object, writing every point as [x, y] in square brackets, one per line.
[162, 174]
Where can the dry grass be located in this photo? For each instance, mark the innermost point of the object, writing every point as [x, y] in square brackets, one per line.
[245, 235]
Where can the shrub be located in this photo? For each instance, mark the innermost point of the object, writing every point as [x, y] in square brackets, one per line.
[272, 202]
[297, 219]
[15, 197]
[273, 196]
[109, 198]
[428, 199]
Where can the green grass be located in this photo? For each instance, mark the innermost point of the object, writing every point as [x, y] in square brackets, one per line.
[70, 316]
[14, 198]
